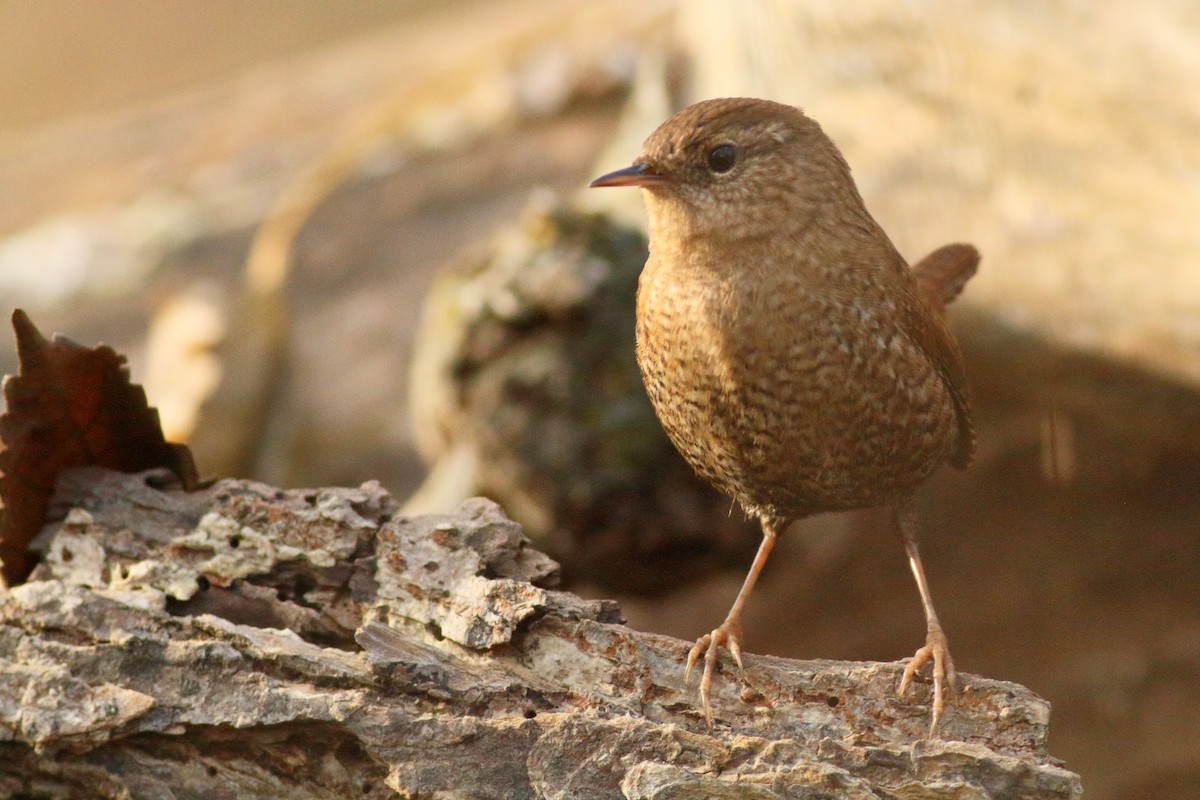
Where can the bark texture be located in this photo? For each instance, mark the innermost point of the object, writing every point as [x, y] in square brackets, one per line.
[244, 641]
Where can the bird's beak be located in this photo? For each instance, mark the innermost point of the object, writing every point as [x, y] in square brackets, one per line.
[639, 174]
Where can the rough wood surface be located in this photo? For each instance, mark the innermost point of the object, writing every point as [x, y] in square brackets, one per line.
[244, 641]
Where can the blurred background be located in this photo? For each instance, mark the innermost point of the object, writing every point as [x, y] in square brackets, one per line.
[348, 242]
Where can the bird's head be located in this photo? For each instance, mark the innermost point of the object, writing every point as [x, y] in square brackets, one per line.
[734, 168]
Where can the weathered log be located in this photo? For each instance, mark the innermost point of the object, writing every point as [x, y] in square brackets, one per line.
[243, 641]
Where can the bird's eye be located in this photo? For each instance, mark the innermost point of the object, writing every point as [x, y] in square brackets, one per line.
[722, 157]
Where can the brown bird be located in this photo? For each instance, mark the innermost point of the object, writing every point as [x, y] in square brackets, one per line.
[791, 354]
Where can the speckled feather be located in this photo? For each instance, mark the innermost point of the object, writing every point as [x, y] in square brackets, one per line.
[791, 354]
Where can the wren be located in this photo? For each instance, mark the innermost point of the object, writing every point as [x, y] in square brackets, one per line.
[792, 355]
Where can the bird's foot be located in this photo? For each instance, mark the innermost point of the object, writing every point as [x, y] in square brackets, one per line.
[709, 645]
[937, 650]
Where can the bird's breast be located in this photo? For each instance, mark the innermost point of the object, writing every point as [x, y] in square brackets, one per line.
[791, 398]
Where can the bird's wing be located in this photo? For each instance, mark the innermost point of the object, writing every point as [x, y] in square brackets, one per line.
[927, 328]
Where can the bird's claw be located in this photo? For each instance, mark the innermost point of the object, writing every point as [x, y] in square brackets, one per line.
[937, 650]
[709, 645]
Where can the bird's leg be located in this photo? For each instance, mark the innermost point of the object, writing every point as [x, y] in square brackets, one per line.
[936, 647]
[728, 633]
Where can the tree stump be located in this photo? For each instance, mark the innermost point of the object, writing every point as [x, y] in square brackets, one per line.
[243, 641]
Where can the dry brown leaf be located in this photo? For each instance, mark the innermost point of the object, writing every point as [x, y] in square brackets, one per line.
[69, 406]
